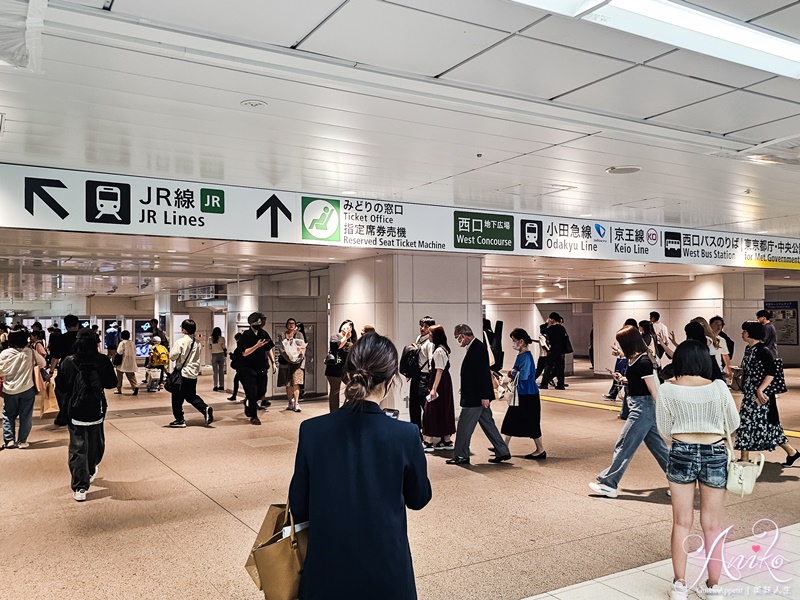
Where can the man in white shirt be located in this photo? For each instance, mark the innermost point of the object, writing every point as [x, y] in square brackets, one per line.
[661, 331]
[419, 384]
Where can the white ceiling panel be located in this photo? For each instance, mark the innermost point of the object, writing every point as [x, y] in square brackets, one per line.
[278, 23]
[709, 68]
[770, 131]
[386, 35]
[642, 92]
[731, 112]
[780, 87]
[595, 38]
[526, 66]
[786, 21]
[743, 10]
[506, 16]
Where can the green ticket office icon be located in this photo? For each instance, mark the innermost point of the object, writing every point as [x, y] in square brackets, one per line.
[483, 231]
[321, 218]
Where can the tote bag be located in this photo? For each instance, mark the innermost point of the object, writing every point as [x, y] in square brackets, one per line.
[742, 476]
[511, 394]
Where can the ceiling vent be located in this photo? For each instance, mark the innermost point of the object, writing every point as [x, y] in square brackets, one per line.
[783, 151]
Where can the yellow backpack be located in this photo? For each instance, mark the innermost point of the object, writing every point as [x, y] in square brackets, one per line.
[159, 357]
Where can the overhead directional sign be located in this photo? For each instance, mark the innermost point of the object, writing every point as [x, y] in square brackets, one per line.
[65, 200]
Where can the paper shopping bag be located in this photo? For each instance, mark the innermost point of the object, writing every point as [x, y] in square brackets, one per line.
[278, 559]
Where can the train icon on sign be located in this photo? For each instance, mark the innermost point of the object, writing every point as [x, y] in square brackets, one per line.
[108, 202]
[530, 234]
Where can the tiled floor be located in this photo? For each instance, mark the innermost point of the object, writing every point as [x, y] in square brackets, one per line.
[777, 575]
[173, 513]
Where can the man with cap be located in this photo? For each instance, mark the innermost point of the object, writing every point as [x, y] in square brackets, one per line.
[255, 350]
[557, 336]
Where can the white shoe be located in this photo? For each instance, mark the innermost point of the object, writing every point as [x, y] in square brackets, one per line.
[715, 591]
[79, 495]
[603, 490]
[94, 475]
[678, 591]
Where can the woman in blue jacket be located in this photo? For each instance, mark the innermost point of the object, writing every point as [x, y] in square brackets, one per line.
[355, 473]
[525, 420]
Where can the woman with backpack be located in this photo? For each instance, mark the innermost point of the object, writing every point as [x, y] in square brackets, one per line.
[82, 377]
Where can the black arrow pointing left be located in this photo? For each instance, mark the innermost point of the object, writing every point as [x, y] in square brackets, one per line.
[35, 187]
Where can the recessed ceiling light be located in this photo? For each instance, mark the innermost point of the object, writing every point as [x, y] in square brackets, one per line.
[540, 290]
[628, 281]
[787, 277]
[586, 216]
[253, 103]
[623, 170]
[171, 251]
[570, 269]
[349, 192]
[331, 258]
[761, 232]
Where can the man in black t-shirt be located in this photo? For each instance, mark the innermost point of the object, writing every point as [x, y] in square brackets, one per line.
[255, 347]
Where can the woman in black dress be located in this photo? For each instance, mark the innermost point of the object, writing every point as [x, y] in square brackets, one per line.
[439, 416]
[761, 427]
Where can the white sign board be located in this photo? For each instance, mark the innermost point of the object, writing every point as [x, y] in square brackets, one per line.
[65, 200]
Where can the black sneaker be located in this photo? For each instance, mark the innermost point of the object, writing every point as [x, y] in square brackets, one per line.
[209, 415]
[790, 460]
[178, 424]
[233, 399]
[265, 403]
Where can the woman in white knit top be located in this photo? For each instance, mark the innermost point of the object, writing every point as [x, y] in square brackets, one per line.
[696, 413]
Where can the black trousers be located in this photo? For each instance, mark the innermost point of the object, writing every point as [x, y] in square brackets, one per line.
[87, 443]
[416, 398]
[187, 393]
[255, 387]
[554, 369]
[541, 365]
[236, 381]
[61, 398]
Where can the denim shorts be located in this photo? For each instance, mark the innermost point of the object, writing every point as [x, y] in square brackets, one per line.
[706, 463]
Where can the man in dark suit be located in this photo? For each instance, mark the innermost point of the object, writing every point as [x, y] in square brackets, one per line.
[557, 336]
[477, 392]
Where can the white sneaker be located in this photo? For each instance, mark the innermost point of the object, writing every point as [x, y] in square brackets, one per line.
[603, 490]
[79, 495]
[679, 591]
[94, 475]
[715, 591]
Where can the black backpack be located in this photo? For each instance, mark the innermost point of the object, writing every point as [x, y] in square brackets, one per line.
[87, 401]
[409, 361]
[236, 359]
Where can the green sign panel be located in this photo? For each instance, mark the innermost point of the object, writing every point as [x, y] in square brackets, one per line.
[483, 231]
[212, 201]
[321, 220]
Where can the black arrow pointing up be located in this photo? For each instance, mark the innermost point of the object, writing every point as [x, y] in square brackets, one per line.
[35, 187]
[274, 205]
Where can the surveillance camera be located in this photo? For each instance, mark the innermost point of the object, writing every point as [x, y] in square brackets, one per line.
[479, 154]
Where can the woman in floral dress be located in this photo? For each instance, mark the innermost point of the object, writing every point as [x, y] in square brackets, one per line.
[761, 427]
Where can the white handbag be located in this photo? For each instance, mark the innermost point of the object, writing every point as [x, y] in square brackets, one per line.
[511, 395]
[742, 475]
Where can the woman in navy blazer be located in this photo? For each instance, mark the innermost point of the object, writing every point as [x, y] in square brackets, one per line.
[355, 473]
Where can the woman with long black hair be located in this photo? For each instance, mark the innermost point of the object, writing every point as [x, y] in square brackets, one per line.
[82, 377]
[219, 350]
[340, 345]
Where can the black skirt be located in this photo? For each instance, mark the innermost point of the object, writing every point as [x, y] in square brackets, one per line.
[524, 420]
